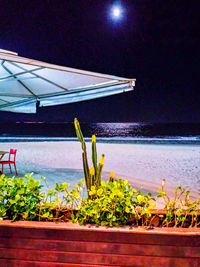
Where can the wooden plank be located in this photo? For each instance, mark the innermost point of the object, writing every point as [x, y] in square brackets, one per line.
[72, 226]
[94, 258]
[22, 263]
[100, 247]
[98, 236]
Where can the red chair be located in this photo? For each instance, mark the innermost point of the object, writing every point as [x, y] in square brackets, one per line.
[11, 160]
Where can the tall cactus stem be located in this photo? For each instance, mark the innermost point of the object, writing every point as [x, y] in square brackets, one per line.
[94, 154]
[86, 171]
[101, 163]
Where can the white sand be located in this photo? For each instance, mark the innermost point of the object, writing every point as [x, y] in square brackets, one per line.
[143, 165]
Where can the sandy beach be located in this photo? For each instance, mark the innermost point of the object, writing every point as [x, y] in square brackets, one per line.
[143, 165]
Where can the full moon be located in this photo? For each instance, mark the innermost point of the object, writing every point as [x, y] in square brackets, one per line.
[116, 12]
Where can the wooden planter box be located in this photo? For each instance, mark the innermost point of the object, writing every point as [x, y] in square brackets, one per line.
[64, 244]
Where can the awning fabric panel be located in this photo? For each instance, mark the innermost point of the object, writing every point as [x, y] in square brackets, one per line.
[70, 80]
[24, 82]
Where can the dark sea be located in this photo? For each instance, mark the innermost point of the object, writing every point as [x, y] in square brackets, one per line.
[131, 133]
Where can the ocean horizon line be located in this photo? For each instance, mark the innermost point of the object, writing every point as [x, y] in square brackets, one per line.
[167, 140]
[56, 122]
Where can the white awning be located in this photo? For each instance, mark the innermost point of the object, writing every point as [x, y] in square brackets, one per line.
[24, 82]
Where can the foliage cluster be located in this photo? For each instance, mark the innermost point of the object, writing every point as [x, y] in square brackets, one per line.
[19, 198]
[23, 199]
[115, 203]
[112, 203]
[180, 210]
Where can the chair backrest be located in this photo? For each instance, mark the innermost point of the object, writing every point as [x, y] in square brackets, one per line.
[12, 154]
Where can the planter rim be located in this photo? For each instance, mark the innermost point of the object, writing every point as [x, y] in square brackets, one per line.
[77, 227]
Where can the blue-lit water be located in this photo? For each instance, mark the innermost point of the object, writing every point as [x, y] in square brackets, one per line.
[131, 133]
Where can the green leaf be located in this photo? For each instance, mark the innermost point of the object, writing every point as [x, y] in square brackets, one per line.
[99, 191]
[161, 192]
[127, 210]
[50, 192]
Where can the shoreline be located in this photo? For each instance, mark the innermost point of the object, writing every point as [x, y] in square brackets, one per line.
[177, 141]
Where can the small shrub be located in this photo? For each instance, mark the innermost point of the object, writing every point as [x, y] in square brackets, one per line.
[115, 203]
[60, 200]
[19, 197]
[23, 199]
[180, 211]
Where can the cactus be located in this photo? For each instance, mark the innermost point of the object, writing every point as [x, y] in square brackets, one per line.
[94, 153]
[99, 171]
[92, 176]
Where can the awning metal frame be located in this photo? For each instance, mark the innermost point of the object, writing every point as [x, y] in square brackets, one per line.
[18, 74]
[40, 77]
[18, 80]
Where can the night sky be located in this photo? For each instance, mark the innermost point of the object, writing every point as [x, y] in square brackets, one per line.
[155, 41]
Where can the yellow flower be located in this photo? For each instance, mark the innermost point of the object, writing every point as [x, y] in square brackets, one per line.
[93, 139]
[112, 175]
[92, 171]
[76, 124]
[101, 162]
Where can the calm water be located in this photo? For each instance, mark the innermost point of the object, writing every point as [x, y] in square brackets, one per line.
[141, 133]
